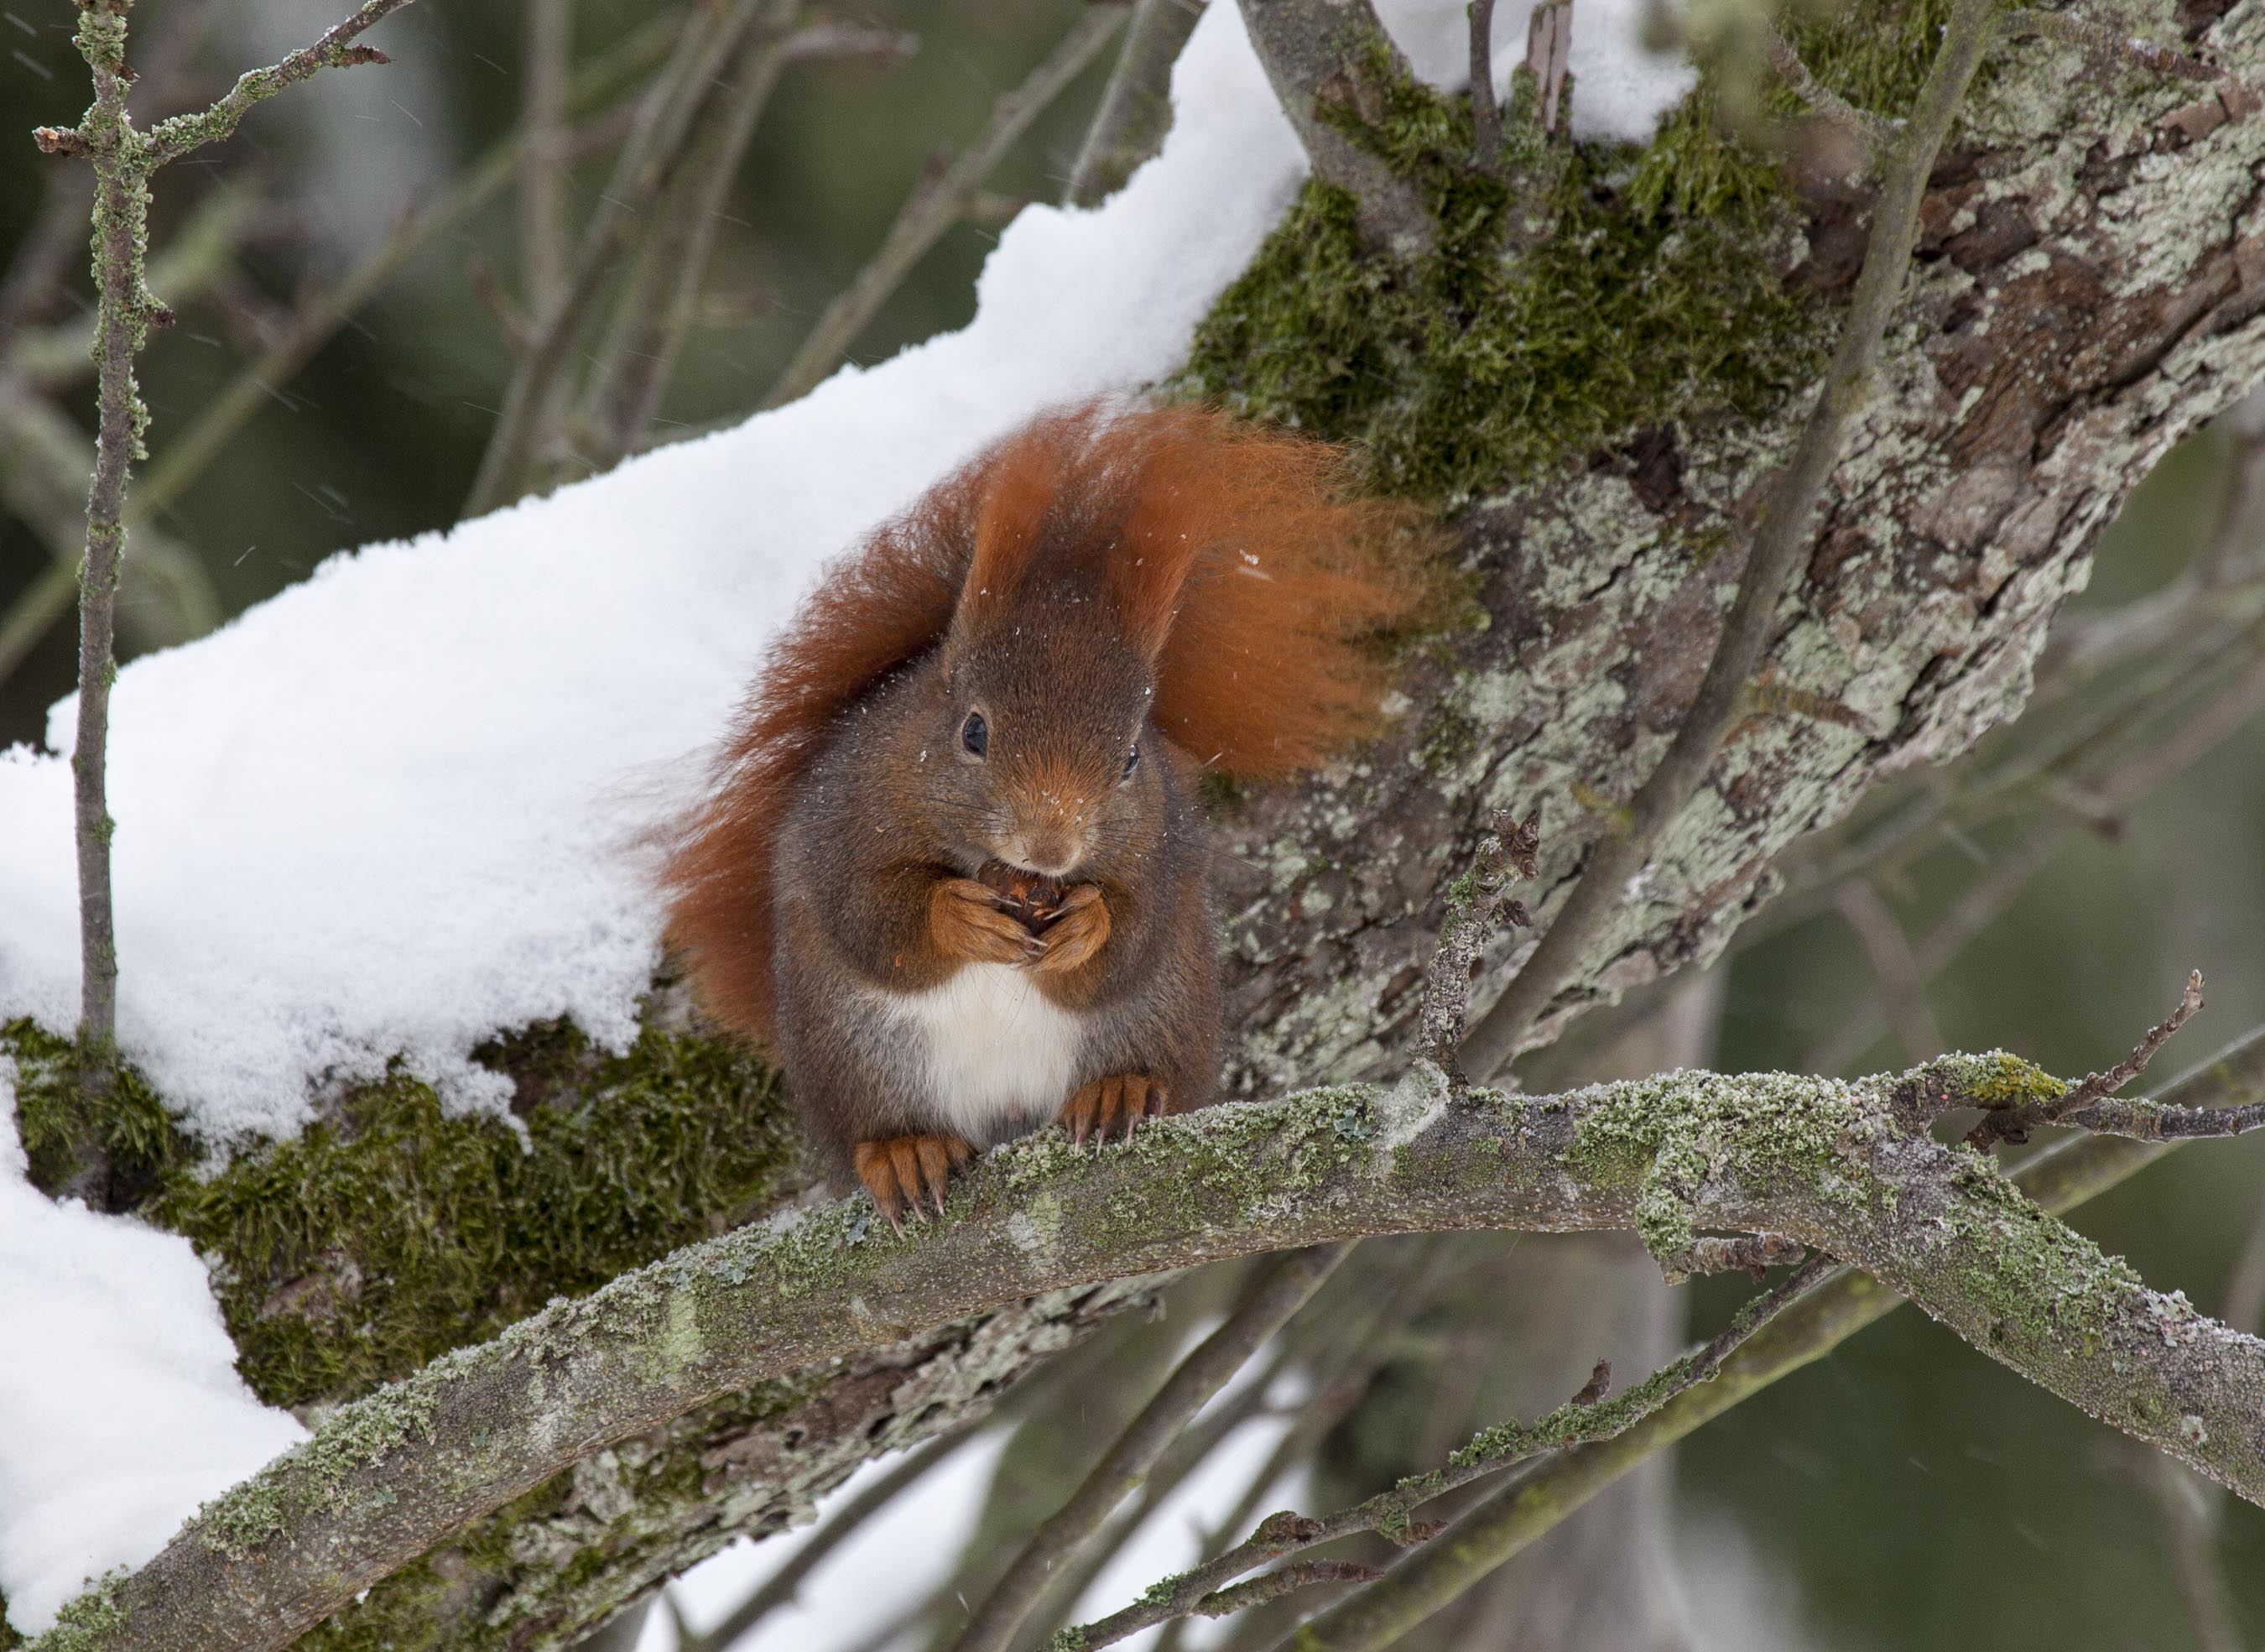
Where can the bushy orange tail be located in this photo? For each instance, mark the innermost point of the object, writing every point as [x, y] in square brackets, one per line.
[1238, 557]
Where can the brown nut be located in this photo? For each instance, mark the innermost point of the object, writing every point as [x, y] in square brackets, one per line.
[1030, 896]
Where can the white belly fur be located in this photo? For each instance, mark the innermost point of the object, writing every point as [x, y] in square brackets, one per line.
[997, 1051]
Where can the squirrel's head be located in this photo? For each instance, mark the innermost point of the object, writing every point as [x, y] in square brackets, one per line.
[1051, 762]
[1049, 674]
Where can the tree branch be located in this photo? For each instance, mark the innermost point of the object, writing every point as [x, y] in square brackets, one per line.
[1778, 543]
[170, 140]
[1136, 108]
[1285, 1289]
[1845, 1168]
[1318, 52]
[936, 203]
[1587, 1416]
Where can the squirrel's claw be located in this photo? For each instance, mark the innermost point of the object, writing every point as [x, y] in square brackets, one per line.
[900, 1170]
[1130, 1096]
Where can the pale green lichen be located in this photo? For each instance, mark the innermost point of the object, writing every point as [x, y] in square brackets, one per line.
[92, 1620]
[1666, 1137]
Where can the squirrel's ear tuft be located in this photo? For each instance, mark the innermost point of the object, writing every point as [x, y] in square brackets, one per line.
[1018, 484]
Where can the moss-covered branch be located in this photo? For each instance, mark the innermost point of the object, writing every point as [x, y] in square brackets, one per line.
[1838, 1164]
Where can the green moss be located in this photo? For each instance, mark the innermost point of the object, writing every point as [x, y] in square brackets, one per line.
[369, 1244]
[123, 1139]
[1642, 288]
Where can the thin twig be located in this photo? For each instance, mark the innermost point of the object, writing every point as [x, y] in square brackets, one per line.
[540, 386]
[658, 300]
[2081, 1103]
[1486, 114]
[170, 140]
[544, 169]
[936, 203]
[840, 1527]
[1282, 1581]
[1903, 988]
[1775, 555]
[1873, 131]
[1391, 1513]
[179, 463]
[1281, 1292]
[1136, 107]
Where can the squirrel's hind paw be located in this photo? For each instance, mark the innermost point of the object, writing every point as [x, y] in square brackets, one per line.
[1130, 1096]
[899, 1170]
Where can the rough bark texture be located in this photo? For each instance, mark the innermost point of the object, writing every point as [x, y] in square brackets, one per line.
[1845, 1167]
[2093, 275]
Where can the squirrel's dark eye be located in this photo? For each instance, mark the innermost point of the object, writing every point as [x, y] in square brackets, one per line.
[975, 734]
[1132, 762]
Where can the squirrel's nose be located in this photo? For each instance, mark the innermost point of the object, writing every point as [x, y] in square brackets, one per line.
[1052, 852]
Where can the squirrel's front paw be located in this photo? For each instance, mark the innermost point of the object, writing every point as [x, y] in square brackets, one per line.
[1130, 1096]
[899, 1170]
[966, 921]
[1077, 931]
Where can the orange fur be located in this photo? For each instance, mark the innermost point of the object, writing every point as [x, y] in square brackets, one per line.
[1235, 557]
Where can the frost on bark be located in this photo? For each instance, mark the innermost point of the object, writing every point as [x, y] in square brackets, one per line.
[2088, 292]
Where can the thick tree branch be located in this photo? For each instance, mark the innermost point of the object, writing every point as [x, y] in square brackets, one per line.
[1838, 1166]
[1778, 541]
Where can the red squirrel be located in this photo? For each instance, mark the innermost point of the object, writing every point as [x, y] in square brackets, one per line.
[952, 865]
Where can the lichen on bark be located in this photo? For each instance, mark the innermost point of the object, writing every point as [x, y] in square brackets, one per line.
[1598, 538]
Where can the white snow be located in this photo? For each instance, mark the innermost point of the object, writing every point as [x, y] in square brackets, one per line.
[383, 814]
[386, 813]
[120, 1409]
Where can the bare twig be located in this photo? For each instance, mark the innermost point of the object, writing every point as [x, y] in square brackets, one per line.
[1903, 988]
[2080, 1103]
[1476, 904]
[1873, 131]
[1279, 1294]
[544, 168]
[181, 462]
[844, 1523]
[124, 159]
[1587, 1416]
[169, 140]
[541, 387]
[658, 300]
[1777, 546]
[1486, 114]
[1280, 1582]
[936, 203]
[1136, 109]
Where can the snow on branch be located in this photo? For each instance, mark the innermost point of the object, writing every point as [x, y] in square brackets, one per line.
[1843, 1167]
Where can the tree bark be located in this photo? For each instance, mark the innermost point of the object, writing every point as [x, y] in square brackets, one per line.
[2093, 276]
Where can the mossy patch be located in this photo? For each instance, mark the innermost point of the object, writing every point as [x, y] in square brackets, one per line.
[1575, 297]
[113, 1148]
[395, 1230]
[1650, 287]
